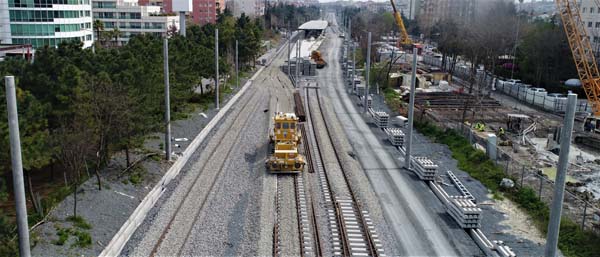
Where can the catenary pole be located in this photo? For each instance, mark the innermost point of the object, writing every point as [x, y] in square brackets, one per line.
[289, 70]
[367, 72]
[237, 66]
[167, 101]
[561, 174]
[17, 166]
[411, 107]
[217, 68]
[348, 39]
[353, 63]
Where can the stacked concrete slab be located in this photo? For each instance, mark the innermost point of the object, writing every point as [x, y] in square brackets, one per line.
[360, 90]
[424, 167]
[307, 67]
[395, 136]
[381, 118]
[464, 212]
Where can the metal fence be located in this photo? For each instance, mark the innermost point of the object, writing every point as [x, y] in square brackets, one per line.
[522, 92]
[525, 175]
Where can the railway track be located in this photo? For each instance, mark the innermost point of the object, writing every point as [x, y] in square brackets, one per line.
[308, 229]
[352, 230]
[250, 106]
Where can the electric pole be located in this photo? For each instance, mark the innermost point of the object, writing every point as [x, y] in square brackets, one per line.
[17, 166]
[167, 101]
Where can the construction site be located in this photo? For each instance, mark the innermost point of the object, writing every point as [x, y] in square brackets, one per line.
[341, 143]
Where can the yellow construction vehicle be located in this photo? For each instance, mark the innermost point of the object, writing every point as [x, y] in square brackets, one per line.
[284, 138]
[404, 40]
[587, 68]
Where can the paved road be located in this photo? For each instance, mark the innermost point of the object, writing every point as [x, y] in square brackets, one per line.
[416, 216]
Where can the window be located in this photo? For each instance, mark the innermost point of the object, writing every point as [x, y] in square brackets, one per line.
[583, 10]
[592, 9]
[595, 39]
[589, 24]
[286, 125]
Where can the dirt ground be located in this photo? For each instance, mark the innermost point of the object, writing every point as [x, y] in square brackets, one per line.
[517, 221]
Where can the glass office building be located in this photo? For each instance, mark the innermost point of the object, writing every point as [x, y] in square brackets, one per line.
[45, 22]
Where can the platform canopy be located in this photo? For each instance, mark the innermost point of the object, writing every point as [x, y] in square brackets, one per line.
[314, 25]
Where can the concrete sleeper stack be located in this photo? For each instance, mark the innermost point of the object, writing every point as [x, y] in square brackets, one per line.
[464, 212]
[424, 168]
[395, 136]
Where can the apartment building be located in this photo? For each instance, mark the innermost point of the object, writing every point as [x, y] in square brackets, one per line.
[432, 11]
[252, 8]
[203, 11]
[132, 19]
[590, 15]
[45, 22]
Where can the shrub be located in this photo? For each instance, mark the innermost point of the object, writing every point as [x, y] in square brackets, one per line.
[79, 222]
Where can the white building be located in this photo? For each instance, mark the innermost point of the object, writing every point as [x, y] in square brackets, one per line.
[132, 19]
[252, 8]
[45, 22]
[590, 15]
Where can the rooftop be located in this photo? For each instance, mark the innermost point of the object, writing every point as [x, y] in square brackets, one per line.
[314, 25]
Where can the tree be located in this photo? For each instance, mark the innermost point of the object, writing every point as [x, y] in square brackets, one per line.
[115, 34]
[74, 149]
[98, 27]
[33, 128]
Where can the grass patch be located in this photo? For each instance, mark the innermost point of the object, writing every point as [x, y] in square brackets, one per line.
[79, 222]
[82, 238]
[392, 99]
[573, 241]
[63, 235]
[136, 175]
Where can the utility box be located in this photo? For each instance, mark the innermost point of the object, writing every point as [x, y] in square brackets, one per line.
[182, 5]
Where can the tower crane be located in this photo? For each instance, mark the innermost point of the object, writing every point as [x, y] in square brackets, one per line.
[586, 65]
[581, 48]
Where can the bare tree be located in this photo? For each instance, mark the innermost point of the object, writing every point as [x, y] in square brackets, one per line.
[73, 148]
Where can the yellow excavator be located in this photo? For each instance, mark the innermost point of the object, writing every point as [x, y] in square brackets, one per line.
[404, 40]
[587, 69]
